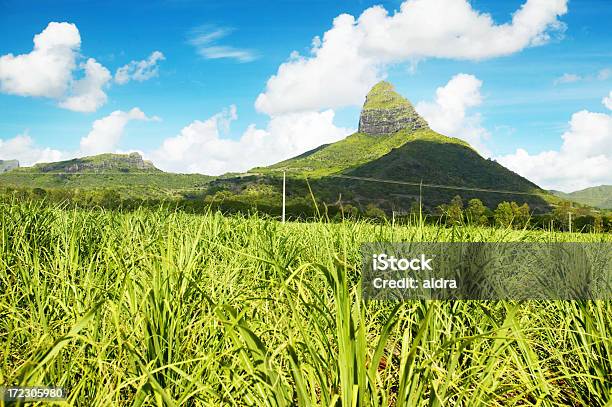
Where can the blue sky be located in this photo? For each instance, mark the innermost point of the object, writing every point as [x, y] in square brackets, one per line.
[221, 54]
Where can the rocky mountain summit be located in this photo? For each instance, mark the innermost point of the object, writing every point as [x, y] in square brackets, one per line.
[7, 165]
[132, 162]
[386, 112]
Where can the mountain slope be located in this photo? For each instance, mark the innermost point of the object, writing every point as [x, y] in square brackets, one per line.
[387, 121]
[356, 149]
[600, 196]
[395, 143]
[8, 165]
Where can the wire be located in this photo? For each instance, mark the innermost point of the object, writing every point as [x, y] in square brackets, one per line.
[417, 184]
[369, 179]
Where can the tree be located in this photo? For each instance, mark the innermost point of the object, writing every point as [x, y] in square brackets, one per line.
[521, 214]
[598, 224]
[454, 211]
[503, 214]
[373, 211]
[349, 211]
[510, 214]
[561, 214]
[476, 212]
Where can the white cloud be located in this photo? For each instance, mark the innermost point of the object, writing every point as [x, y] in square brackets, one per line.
[200, 146]
[353, 54]
[448, 114]
[23, 148]
[218, 52]
[107, 131]
[204, 42]
[607, 101]
[140, 70]
[584, 159]
[87, 93]
[604, 74]
[47, 70]
[567, 78]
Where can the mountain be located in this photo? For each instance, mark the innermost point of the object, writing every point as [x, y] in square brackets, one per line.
[394, 143]
[7, 165]
[129, 174]
[394, 161]
[599, 197]
[103, 163]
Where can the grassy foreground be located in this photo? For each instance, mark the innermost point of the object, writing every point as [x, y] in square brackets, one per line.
[161, 308]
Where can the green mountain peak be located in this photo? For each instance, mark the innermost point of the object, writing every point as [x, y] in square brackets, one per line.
[383, 96]
[386, 112]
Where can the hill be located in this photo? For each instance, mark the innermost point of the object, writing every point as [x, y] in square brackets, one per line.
[393, 161]
[599, 197]
[102, 163]
[394, 143]
[8, 165]
[128, 174]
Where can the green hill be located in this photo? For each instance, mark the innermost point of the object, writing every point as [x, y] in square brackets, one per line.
[8, 165]
[395, 144]
[128, 174]
[599, 197]
[393, 161]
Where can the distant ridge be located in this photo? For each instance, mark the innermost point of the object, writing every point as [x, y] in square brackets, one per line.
[101, 163]
[8, 165]
[599, 196]
[128, 174]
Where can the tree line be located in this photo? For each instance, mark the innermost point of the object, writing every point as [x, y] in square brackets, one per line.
[264, 199]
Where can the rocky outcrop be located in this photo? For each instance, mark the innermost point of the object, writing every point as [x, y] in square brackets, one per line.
[386, 112]
[7, 165]
[101, 163]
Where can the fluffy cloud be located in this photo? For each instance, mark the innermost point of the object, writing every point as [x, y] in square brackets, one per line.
[106, 132]
[205, 40]
[87, 94]
[607, 101]
[140, 70]
[200, 146]
[584, 159]
[23, 148]
[353, 54]
[448, 113]
[47, 70]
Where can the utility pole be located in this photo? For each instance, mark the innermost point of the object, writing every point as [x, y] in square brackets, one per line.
[421, 203]
[569, 214]
[283, 217]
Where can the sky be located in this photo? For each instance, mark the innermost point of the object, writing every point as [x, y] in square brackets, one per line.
[212, 87]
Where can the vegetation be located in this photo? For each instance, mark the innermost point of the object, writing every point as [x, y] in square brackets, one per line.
[383, 96]
[155, 307]
[8, 165]
[414, 155]
[600, 196]
[351, 152]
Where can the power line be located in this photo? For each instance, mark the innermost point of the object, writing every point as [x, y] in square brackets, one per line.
[418, 184]
[369, 179]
